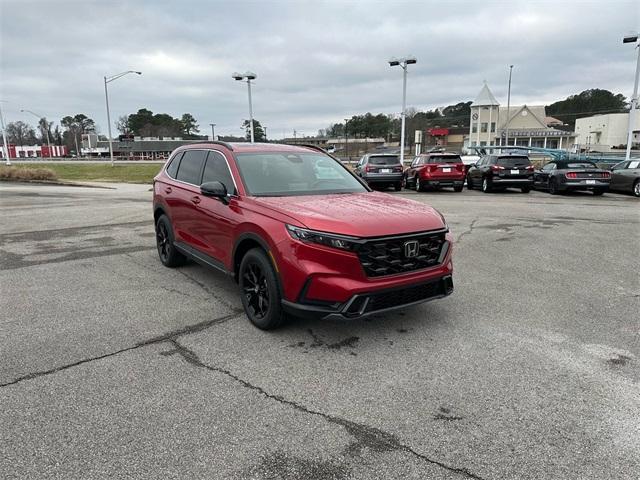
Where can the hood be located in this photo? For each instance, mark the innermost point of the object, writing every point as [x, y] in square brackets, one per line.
[370, 214]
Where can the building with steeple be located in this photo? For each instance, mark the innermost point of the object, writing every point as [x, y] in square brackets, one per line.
[527, 126]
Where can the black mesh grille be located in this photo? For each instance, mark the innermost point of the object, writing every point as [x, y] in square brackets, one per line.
[380, 301]
[392, 255]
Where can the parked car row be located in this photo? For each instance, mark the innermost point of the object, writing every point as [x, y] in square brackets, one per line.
[496, 173]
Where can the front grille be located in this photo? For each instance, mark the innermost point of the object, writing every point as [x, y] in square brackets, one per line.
[389, 256]
[394, 298]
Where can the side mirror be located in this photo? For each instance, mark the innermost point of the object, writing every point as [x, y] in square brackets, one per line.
[214, 189]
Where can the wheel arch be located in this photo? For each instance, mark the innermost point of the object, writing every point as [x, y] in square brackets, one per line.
[244, 243]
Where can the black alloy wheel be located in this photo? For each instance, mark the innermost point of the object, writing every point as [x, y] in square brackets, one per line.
[169, 256]
[553, 186]
[261, 297]
[636, 188]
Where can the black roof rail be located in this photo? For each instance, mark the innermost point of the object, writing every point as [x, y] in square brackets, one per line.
[307, 145]
[218, 142]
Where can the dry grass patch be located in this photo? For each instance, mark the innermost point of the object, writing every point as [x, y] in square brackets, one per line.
[26, 174]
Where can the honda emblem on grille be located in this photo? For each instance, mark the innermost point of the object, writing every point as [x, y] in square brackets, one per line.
[411, 249]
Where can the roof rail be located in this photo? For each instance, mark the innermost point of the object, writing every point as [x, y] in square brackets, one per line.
[308, 145]
[218, 142]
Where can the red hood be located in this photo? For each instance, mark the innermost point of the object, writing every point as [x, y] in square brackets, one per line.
[371, 214]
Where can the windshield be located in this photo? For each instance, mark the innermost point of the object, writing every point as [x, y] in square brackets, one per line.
[445, 159]
[384, 160]
[581, 165]
[513, 161]
[288, 174]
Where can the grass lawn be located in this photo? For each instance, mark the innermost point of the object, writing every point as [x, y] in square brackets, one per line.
[135, 173]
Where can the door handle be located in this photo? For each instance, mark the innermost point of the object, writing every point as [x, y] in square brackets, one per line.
[195, 200]
[167, 190]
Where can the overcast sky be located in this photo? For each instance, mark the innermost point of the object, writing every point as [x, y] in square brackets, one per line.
[317, 62]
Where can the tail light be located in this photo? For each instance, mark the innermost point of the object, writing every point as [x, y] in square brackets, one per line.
[606, 174]
[369, 168]
[432, 168]
[460, 167]
[397, 169]
[571, 175]
[530, 168]
[497, 168]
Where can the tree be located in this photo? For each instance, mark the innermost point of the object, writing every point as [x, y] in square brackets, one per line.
[189, 125]
[586, 104]
[20, 133]
[44, 127]
[75, 126]
[258, 131]
[122, 124]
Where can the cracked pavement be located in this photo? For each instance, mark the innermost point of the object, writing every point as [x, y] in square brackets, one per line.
[112, 366]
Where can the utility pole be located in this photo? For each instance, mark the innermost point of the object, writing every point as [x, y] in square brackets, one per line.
[213, 132]
[403, 62]
[4, 138]
[106, 98]
[249, 76]
[508, 106]
[634, 97]
[346, 141]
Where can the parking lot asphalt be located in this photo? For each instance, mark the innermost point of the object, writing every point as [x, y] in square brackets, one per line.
[113, 366]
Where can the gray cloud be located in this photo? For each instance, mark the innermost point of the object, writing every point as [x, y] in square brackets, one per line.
[317, 62]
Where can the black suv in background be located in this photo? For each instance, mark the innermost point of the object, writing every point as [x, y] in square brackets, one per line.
[381, 169]
[497, 172]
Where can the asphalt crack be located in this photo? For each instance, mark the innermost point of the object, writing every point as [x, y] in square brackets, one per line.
[171, 335]
[472, 226]
[365, 436]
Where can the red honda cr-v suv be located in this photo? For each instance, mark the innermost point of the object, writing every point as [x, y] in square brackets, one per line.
[299, 232]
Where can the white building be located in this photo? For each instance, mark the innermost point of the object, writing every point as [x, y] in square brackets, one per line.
[528, 125]
[604, 133]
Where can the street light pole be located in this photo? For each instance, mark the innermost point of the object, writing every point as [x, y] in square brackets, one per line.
[508, 106]
[39, 117]
[248, 76]
[346, 141]
[403, 62]
[213, 132]
[106, 99]
[634, 97]
[4, 138]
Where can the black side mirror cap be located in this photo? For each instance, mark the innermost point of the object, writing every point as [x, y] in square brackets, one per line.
[214, 189]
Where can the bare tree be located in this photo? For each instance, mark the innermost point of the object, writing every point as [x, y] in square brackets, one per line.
[21, 133]
[123, 124]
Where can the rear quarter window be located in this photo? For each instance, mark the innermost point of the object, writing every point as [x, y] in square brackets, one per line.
[172, 168]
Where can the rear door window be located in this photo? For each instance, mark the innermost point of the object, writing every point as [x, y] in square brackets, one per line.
[386, 160]
[513, 161]
[190, 167]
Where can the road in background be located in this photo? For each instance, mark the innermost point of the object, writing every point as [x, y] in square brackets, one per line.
[113, 366]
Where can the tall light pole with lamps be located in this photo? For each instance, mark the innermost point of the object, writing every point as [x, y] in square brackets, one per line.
[39, 117]
[508, 107]
[4, 138]
[634, 97]
[213, 132]
[403, 62]
[248, 76]
[106, 98]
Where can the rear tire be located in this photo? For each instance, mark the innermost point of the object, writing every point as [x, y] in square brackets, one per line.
[418, 185]
[469, 183]
[553, 187]
[260, 290]
[486, 185]
[598, 191]
[525, 189]
[636, 188]
[398, 186]
[457, 189]
[169, 255]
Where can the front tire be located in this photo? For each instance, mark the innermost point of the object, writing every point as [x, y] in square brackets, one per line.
[260, 290]
[636, 188]
[169, 255]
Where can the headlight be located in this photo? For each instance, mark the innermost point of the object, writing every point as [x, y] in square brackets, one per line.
[340, 242]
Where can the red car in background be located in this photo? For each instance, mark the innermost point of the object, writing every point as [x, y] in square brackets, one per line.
[435, 170]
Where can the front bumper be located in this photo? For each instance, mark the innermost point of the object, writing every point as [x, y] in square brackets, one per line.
[380, 301]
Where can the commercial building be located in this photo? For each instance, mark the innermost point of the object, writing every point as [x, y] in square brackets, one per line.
[133, 147]
[527, 125]
[34, 151]
[606, 133]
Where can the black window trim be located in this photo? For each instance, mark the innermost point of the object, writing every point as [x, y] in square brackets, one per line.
[202, 169]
